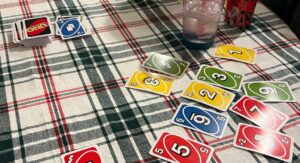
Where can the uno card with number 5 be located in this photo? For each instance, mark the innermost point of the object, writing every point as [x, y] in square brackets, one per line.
[269, 91]
[150, 82]
[173, 148]
[259, 113]
[267, 142]
[220, 77]
[85, 155]
[165, 64]
[209, 95]
[202, 120]
[236, 53]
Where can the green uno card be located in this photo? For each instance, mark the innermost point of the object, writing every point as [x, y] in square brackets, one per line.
[165, 64]
[220, 77]
[269, 91]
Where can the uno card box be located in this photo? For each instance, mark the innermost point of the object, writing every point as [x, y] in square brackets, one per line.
[85, 155]
[71, 27]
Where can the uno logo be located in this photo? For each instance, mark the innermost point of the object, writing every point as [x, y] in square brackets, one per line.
[37, 27]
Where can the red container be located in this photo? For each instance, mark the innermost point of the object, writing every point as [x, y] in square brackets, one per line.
[239, 13]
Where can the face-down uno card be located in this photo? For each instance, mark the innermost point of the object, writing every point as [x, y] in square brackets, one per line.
[269, 91]
[209, 95]
[267, 142]
[71, 28]
[165, 64]
[85, 155]
[150, 82]
[173, 148]
[37, 27]
[202, 120]
[220, 77]
[259, 113]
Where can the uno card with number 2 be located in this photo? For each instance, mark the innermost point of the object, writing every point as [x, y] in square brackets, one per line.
[165, 64]
[173, 148]
[202, 120]
[209, 95]
[85, 155]
[236, 53]
[150, 82]
[267, 142]
[259, 113]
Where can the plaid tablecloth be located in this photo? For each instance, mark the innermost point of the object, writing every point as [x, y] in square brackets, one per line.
[70, 94]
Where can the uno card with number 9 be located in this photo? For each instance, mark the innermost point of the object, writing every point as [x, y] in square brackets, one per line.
[173, 148]
[209, 95]
[269, 91]
[220, 77]
[150, 82]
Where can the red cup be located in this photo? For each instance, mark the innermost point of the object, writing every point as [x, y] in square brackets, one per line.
[239, 13]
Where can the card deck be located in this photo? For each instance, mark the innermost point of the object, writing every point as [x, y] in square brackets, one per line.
[84, 155]
[267, 142]
[209, 95]
[165, 64]
[173, 148]
[150, 82]
[37, 27]
[71, 28]
[237, 53]
[259, 113]
[202, 120]
[220, 77]
[269, 91]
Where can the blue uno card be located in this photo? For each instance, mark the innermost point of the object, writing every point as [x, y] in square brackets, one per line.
[70, 28]
[202, 120]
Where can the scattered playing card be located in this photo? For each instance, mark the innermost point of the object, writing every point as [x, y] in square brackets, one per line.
[259, 113]
[267, 142]
[173, 148]
[84, 155]
[150, 82]
[237, 53]
[71, 28]
[202, 120]
[165, 64]
[220, 77]
[209, 95]
[269, 91]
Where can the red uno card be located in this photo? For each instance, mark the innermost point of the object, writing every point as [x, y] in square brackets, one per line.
[84, 155]
[173, 148]
[259, 113]
[267, 142]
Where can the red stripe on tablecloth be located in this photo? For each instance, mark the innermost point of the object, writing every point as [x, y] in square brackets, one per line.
[291, 125]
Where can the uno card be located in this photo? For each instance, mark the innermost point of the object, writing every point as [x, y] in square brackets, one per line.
[259, 113]
[165, 64]
[269, 91]
[150, 82]
[173, 148]
[267, 142]
[237, 53]
[209, 95]
[202, 120]
[37, 27]
[84, 155]
[70, 28]
[80, 18]
[220, 77]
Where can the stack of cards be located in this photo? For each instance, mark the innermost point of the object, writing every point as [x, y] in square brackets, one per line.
[68, 27]
[32, 32]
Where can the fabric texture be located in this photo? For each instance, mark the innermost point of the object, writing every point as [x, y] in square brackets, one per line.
[71, 94]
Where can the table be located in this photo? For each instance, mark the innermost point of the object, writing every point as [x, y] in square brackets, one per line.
[71, 94]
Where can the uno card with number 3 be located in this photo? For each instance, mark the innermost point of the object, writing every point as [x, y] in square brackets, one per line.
[202, 120]
[150, 82]
[220, 77]
[173, 148]
[267, 142]
[209, 95]
[269, 91]
[85, 155]
[236, 53]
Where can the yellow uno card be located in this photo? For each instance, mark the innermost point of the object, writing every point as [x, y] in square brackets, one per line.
[237, 53]
[150, 82]
[209, 95]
